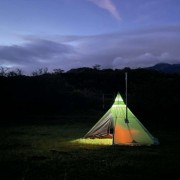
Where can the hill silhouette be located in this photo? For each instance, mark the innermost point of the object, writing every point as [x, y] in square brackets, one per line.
[166, 68]
[153, 96]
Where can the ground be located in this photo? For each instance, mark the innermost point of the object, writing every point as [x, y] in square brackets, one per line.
[55, 152]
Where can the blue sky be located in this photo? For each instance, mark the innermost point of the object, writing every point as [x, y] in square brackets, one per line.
[69, 34]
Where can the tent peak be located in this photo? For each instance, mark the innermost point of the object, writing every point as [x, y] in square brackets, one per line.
[118, 99]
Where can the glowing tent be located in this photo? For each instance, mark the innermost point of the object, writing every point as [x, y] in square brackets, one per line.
[120, 124]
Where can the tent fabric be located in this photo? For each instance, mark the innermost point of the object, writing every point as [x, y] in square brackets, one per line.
[128, 131]
[102, 127]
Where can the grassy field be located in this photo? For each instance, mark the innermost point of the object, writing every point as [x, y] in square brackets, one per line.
[55, 152]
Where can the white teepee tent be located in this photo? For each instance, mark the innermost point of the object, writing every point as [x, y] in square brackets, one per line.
[120, 124]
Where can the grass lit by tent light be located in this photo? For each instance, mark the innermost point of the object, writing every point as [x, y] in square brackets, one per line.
[96, 141]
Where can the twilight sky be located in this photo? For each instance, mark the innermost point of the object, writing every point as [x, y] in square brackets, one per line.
[69, 34]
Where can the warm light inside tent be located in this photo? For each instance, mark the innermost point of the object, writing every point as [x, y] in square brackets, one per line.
[122, 135]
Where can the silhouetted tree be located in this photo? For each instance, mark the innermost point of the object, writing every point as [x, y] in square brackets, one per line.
[40, 71]
[3, 71]
[96, 67]
[16, 72]
[19, 72]
[58, 71]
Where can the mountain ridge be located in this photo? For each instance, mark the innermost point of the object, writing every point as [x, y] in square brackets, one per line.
[166, 68]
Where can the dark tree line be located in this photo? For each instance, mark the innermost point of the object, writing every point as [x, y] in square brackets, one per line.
[153, 96]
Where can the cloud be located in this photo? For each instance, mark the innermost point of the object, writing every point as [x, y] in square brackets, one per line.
[132, 49]
[34, 54]
[140, 48]
[109, 6]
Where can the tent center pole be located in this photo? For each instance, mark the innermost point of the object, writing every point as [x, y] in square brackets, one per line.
[126, 120]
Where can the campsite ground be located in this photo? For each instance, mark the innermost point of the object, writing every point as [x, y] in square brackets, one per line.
[55, 152]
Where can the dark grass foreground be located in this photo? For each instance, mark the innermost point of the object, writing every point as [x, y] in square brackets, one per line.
[55, 152]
